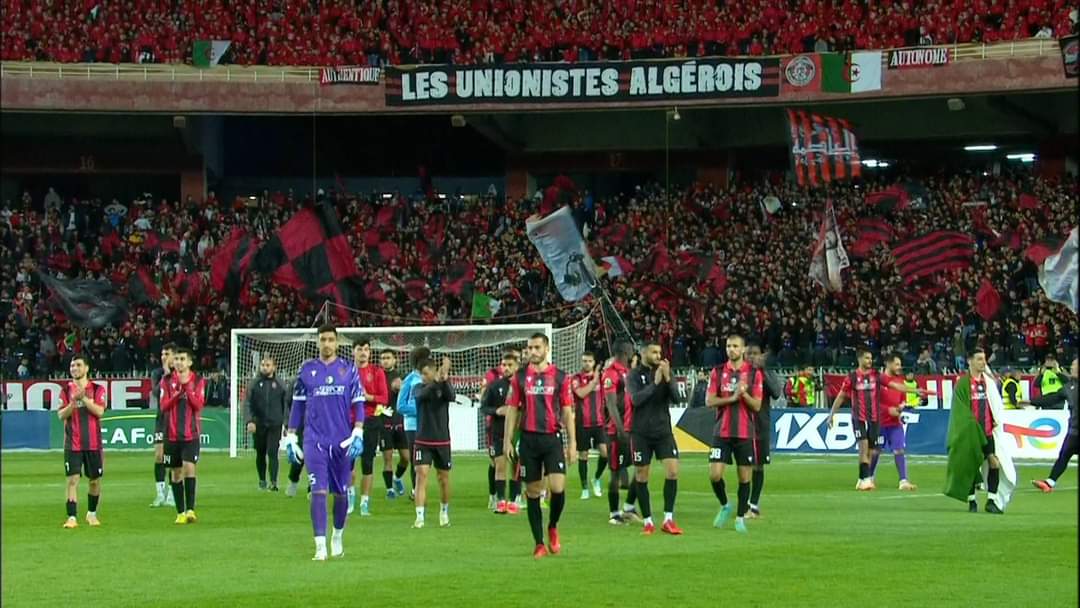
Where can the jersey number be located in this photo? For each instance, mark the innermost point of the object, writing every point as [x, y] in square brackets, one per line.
[715, 453]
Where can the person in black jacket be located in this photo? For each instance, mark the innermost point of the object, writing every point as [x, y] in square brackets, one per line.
[1071, 445]
[266, 406]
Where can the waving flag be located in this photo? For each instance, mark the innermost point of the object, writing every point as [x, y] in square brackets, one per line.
[933, 253]
[459, 278]
[1058, 273]
[86, 303]
[616, 266]
[987, 300]
[311, 253]
[823, 149]
[559, 242]
[231, 261]
[829, 256]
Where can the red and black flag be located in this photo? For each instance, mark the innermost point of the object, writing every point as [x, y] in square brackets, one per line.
[459, 278]
[661, 296]
[658, 261]
[1028, 200]
[310, 253]
[871, 231]
[987, 300]
[85, 302]
[932, 253]
[231, 262]
[384, 217]
[898, 197]
[154, 243]
[1045, 247]
[823, 149]
[416, 288]
[141, 288]
[373, 292]
[614, 234]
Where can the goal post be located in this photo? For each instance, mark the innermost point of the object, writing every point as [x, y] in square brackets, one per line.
[473, 349]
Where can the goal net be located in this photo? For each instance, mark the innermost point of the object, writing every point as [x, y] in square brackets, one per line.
[473, 350]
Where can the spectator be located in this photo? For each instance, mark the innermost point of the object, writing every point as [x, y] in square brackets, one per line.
[701, 386]
[925, 365]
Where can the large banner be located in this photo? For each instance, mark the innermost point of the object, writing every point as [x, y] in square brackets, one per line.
[134, 429]
[924, 57]
[673, 80]
[122, 394]
[1038, 434]
[350, 74]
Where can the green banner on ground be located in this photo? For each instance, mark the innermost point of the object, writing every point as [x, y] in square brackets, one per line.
[134, 429]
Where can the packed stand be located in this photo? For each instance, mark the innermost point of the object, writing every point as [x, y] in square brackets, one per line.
[265, 32]
[763, 257]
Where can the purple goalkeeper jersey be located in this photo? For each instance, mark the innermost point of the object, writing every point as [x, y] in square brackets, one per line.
[327, 397]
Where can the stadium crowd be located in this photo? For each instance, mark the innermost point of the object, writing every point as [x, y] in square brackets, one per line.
[339, 32]
[764, 258]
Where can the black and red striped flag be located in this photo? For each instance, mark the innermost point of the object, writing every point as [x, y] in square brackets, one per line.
[231, 262]
[459, 278]
[141, 288]
[823, 149]
[870, 231]
[311, 253]
[932, 253]
[899, 197]
[416, 288]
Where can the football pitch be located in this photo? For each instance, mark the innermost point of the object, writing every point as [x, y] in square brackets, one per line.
[820, 543]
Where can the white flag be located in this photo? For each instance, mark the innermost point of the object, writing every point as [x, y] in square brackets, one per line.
[829, 256]
[1057, 275]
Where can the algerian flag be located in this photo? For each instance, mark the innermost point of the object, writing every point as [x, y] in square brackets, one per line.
[966, 440]
[851, 73]
[208, 53]
[482, 305]
[1058, 274]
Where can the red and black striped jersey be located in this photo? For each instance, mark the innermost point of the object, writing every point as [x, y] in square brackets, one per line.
[736, 420]
[542, 395]
[980, 406]
[589, 410]
[614, 383]
[182, 403]
[82, 430]
[864, 389]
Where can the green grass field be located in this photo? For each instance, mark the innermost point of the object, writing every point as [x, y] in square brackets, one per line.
[819, 544]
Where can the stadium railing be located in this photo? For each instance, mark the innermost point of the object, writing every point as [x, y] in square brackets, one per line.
[155, 72]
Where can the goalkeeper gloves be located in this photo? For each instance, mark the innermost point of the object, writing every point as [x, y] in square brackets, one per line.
[384, 410]
[355, 443]
[292, 449]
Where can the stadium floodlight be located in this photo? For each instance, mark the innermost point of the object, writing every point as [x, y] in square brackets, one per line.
[870, 162]
[882, 164]
[1024, 157]
[387, 195]
[473, 350]
[980, 148]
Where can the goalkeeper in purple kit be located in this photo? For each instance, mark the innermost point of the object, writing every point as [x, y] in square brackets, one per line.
[329, 400]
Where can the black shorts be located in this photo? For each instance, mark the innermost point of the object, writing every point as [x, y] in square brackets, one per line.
[988, 449]
[618, 453]
[642, 447]
[590, 438]
[176, 453]
[540, 453]
[727, 451]
[428, 455]
[866, 430]
[495, 443]
[763, 440]
[374, 429]
[89, 463]
[393, 436]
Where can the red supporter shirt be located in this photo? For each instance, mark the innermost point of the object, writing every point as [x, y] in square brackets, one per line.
[542, 395]
[590, 410]
[373, 381]
[181, 404]
[82, 430]
[614, 383]
[735, 421]
[865, 396]
[890, 398]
